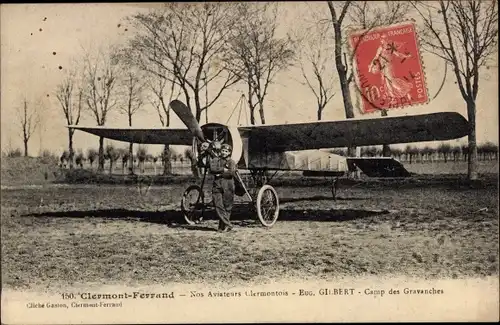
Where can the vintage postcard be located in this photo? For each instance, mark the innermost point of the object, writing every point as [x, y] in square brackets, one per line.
[215, 162]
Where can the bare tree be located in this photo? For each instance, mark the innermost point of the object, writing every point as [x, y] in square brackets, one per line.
[256, 54]
[337, 19]
[27, 115]
[91, 156]
[156, 79]
[465, 35]
[134, 86]
[142, 153]
[157, 85]
[70, 97]
[112, 154]
[364, 15]
[186, 42]
[64, 157]
[367, 15]
[316, 63]
[100, 80]
[79, 158]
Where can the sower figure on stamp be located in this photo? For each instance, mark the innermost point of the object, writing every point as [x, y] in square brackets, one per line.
[224, 170]
[382, 63]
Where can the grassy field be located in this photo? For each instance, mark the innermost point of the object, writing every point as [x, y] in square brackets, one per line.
[450, 167]
[431, 227]
[28, 170]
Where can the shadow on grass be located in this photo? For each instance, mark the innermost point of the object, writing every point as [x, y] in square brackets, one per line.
[241, 215]
[163, 217]
[321, 198]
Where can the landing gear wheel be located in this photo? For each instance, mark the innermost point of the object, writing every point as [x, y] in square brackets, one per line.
[268, 206]
[192, 204]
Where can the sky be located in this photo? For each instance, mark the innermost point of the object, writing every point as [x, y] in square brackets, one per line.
[38, 39]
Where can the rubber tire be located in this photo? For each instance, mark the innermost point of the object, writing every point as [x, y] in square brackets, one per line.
[258, 203]
[186, 213]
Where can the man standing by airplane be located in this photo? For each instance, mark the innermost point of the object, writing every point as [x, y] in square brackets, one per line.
[224, 170]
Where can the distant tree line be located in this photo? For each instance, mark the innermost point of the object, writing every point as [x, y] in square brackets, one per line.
[121, 157]
[444, 152]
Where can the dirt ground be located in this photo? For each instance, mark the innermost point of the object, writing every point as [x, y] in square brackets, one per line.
[59, 235]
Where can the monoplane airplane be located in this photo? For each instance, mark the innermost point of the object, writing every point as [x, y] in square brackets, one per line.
[287, 147]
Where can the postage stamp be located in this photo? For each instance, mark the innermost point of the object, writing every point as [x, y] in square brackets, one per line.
[388, 68]
[157, 207]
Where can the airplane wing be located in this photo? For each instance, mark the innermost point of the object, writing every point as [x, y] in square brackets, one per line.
[357, 132]
[136, 135]
[378, 166]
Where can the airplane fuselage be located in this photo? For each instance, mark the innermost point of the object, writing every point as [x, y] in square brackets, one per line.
[255, 156]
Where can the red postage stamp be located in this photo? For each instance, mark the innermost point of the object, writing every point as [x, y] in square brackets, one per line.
[388, 67]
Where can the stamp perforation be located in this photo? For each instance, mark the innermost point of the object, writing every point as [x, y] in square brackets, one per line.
[356, 73]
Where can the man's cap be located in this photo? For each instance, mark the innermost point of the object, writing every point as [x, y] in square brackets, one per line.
[227, 147]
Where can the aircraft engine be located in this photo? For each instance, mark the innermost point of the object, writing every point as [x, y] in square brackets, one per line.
[215, 135]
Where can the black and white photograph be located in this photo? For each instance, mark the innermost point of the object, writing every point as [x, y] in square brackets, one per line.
[236, 162]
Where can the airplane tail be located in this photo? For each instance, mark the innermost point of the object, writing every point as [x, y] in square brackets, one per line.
[378, 166]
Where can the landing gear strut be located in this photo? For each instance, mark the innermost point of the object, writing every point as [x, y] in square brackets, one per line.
[334, 188]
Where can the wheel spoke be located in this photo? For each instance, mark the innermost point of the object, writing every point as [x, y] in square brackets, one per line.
[268, 205]
[192, 204]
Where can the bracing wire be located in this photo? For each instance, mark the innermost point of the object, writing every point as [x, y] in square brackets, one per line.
[239, 111]
[243, 108]
[234, 109]
[246, 113]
